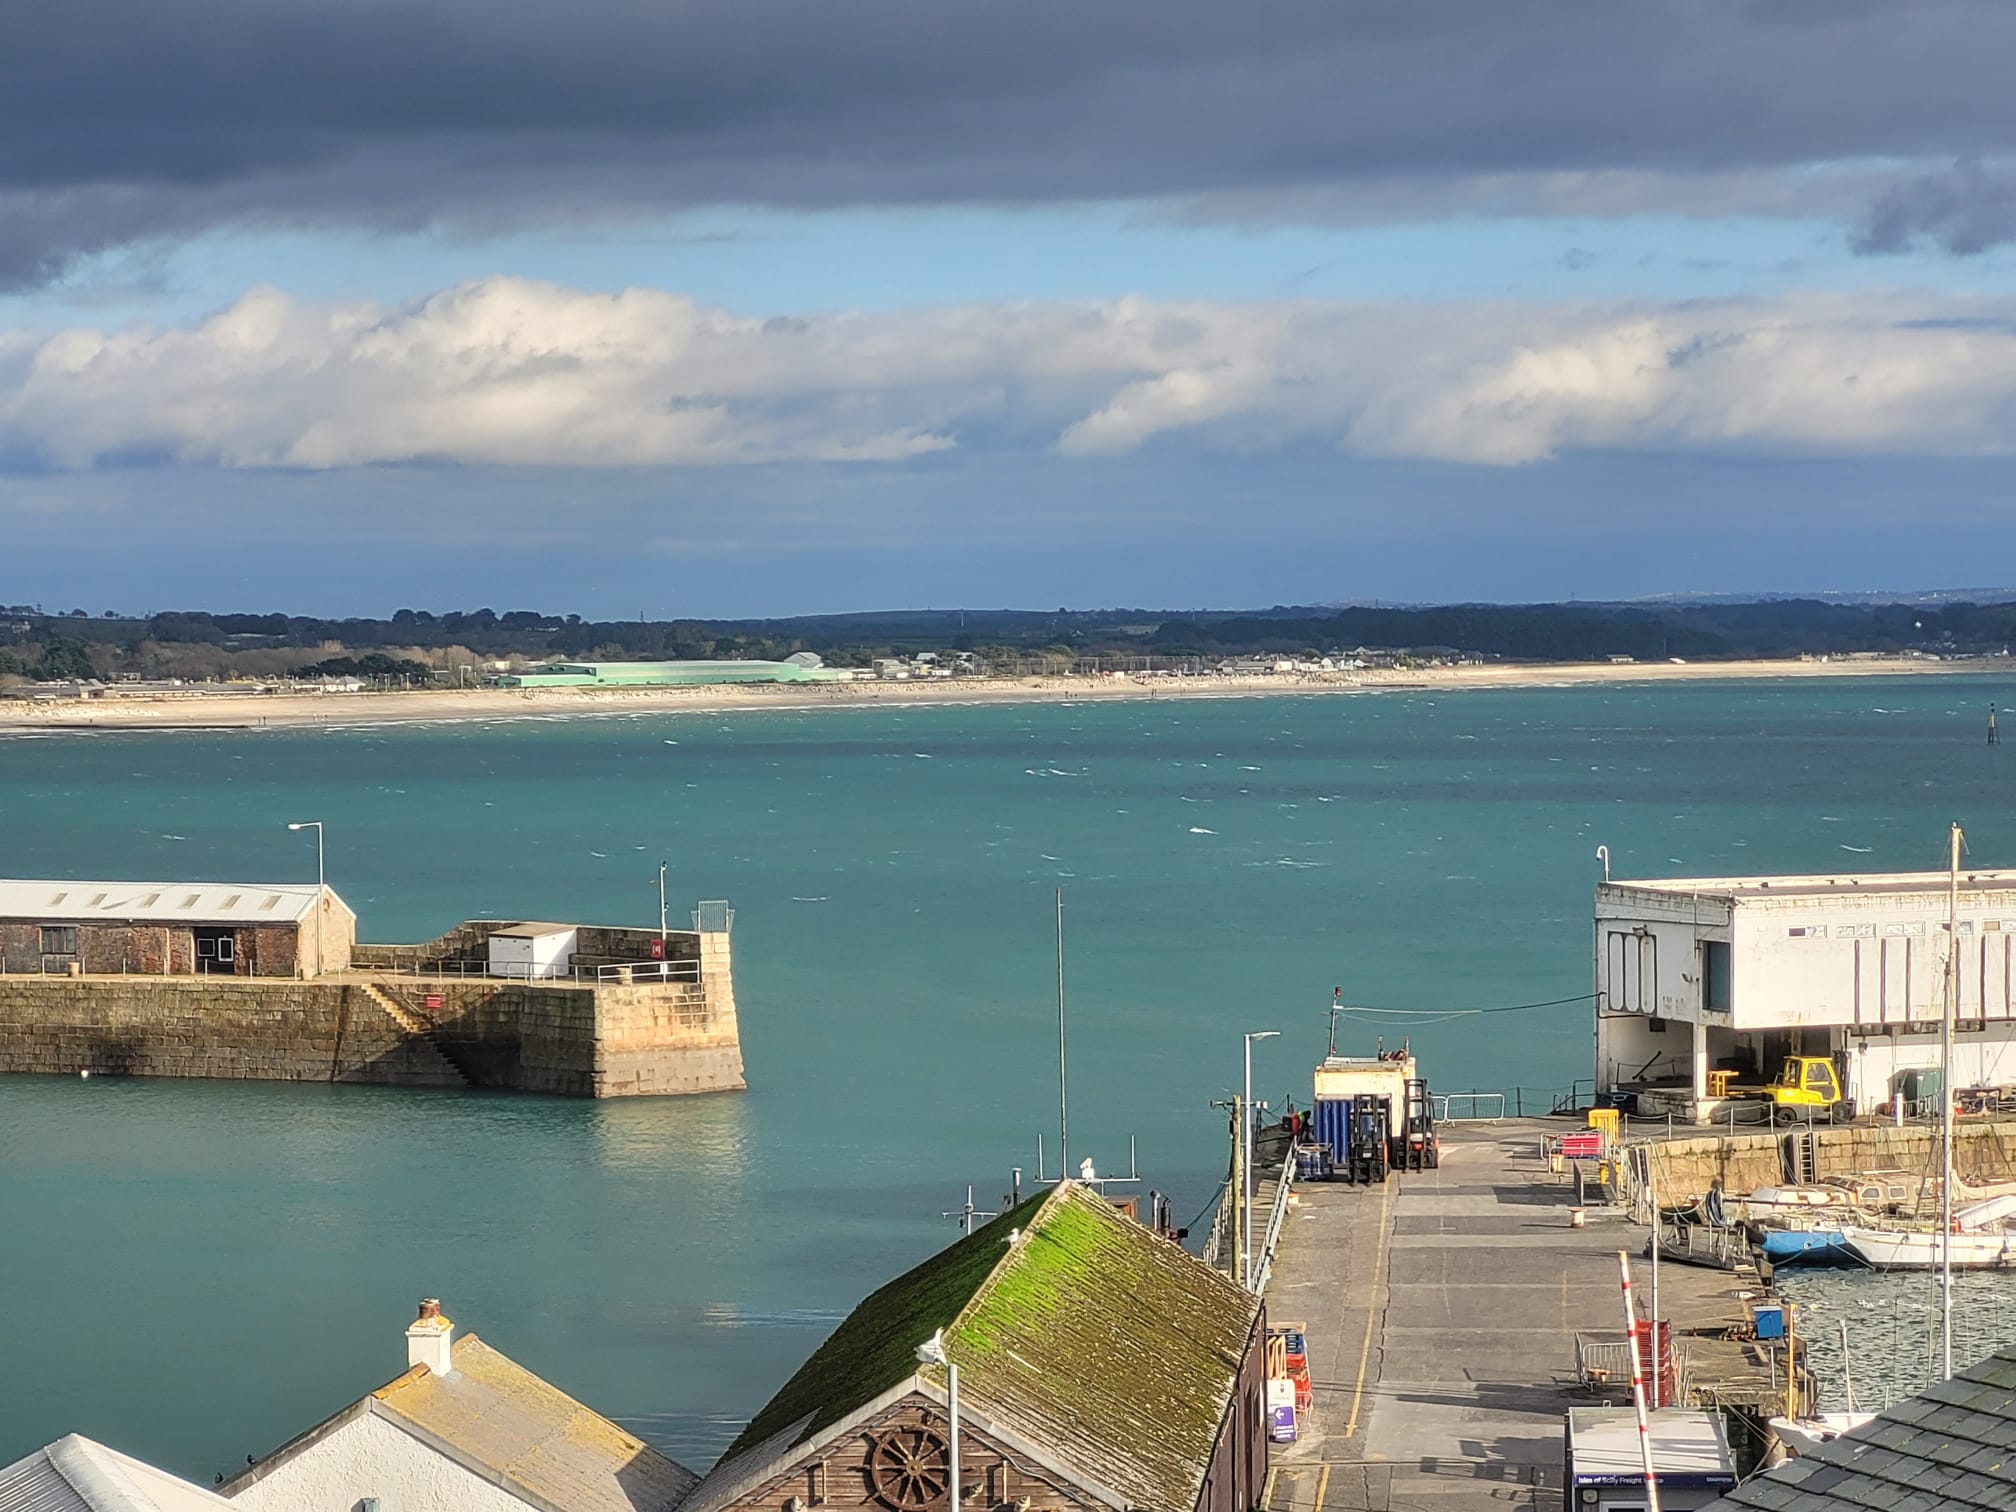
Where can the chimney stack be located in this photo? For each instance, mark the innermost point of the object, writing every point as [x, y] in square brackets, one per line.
[428, 1340]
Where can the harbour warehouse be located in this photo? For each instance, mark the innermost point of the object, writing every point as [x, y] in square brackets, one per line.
[1695, 976]
[269, 982]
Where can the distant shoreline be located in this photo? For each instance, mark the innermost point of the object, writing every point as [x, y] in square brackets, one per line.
[211, 712]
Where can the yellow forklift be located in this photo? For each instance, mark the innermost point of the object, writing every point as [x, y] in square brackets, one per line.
[1807, 1086]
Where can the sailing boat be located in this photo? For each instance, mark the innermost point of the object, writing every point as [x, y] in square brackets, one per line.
[1974, 1237]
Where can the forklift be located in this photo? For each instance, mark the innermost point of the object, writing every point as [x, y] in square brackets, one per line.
[1806, 1086]
[1415, 1147]
[1367, 1152]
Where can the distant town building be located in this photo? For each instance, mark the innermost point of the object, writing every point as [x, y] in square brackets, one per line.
[662, 674]
[174, 928]
[1100, 1366]
[463, 1430]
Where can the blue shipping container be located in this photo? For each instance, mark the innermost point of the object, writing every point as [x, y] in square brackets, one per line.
[1332, 1124]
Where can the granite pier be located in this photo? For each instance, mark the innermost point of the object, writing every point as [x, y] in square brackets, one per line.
[563, 1009]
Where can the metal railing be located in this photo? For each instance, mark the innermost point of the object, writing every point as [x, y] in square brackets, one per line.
[649, 971]
[580, 976]
[1263, 1263]
[1479, 1107]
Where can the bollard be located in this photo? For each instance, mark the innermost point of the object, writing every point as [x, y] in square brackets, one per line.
[1578, 1218]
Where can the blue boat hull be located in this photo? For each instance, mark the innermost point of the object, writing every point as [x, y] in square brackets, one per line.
[1807, 1247]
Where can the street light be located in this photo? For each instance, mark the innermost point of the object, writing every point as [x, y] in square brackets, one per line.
[1246, 1163]
[321, 885]
[932, 1352]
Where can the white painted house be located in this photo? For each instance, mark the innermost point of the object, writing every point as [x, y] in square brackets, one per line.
[463, 1430]
[1695, 975]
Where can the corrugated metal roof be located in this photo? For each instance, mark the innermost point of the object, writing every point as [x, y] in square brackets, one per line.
[76, 1474]
[63, 902]
[537, 1438]
[1952, 1448]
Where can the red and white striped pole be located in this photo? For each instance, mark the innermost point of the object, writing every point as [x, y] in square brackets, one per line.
[1638, 1384]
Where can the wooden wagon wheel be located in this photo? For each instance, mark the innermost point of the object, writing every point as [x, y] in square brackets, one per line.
[909, 1469]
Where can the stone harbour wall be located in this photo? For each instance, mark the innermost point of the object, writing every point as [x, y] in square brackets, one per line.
[1685, 1168]
[609, 1040]
[208, 1027]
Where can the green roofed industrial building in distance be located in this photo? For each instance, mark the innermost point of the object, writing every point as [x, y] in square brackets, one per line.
[804, 667]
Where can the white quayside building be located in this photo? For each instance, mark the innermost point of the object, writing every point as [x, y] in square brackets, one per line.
[1702, 974]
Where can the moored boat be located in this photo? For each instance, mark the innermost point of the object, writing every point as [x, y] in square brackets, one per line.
[1806, 1246]
[1919, 1249]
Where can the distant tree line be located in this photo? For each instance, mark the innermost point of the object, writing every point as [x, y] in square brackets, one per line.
[416, 645]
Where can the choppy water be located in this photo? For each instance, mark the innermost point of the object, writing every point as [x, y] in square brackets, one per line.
[1893, 1346]
[198, 1270]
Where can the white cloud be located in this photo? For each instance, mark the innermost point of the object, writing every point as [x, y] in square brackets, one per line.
[508, 372]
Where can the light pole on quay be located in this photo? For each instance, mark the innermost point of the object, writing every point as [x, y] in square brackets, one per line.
[1246, 1181]
[321, 886]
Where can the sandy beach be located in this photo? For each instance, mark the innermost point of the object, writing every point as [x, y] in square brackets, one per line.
[206, 710]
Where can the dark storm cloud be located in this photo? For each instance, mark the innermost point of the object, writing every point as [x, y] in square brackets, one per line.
[120, 119]
[1966, 210]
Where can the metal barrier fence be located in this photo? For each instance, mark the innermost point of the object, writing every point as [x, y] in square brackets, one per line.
[1601, 1363]
[1478, 1107]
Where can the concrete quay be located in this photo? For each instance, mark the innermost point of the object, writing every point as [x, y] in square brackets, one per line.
[1442, 1309]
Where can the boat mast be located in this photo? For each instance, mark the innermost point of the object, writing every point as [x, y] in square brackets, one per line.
[1063, 1099]
[1946, 1106]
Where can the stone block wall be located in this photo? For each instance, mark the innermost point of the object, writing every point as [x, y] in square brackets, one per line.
[233, 1028]
[1684, 1168]
[572, 1040]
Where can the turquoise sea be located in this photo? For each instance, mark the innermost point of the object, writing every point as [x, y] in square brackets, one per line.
[196, 1271]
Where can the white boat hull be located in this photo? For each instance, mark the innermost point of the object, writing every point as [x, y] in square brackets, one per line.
[1804, 1435]
[1896, 1249]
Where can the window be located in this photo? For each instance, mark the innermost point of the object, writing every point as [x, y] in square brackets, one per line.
[1715, 975]
[59, 939]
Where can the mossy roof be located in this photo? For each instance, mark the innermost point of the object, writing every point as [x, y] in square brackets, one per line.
[875, 1348]
[1092, 1338]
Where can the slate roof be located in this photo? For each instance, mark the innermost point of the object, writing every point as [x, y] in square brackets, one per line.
[1091, 1338]
[500, 1421]
[58, 902]
[1950, 1449]
[76, 1474]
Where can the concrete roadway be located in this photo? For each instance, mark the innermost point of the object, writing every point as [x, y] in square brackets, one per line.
[1442, 1310]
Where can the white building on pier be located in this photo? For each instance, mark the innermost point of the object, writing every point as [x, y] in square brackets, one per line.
[1699, 975]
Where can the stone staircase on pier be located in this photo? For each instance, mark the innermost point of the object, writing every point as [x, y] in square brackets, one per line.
[418, 1028]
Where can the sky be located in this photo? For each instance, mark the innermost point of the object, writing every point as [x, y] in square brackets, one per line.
[763, 307]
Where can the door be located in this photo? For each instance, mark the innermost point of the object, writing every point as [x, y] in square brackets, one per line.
[216, 951]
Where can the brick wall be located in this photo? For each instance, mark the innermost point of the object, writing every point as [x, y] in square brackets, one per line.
[114, 949]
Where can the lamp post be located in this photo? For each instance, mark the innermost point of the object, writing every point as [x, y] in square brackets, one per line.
[321, 885]
[1246, 1164]
[932, 1352]
[661, 907]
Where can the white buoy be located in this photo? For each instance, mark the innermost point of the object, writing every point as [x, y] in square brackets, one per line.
[84, 1076]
